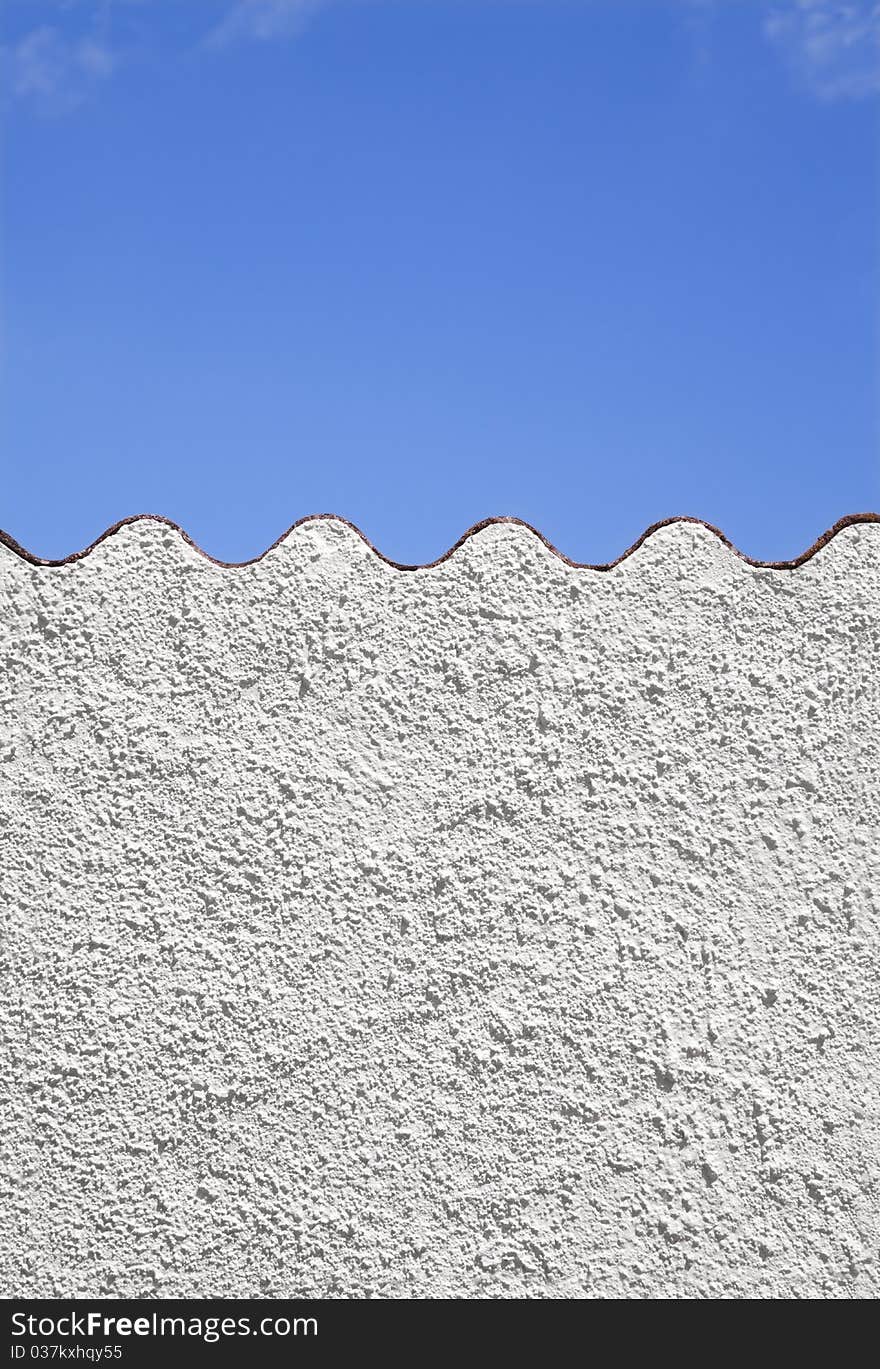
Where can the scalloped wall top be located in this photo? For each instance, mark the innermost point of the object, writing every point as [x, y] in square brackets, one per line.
[849, 521]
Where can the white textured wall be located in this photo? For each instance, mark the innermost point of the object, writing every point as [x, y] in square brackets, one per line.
[497, 928]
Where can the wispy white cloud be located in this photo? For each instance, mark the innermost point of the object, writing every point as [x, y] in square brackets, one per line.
[262, 20]
[53, 70]
[834, 45]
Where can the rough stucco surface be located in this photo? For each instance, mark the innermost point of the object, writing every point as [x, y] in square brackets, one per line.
[495, 929]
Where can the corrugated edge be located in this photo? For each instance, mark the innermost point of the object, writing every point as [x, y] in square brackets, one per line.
[849, 521]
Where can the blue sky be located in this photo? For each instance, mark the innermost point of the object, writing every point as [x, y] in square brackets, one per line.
[419, 262]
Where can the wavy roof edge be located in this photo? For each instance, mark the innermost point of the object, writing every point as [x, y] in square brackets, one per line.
[851, 520]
